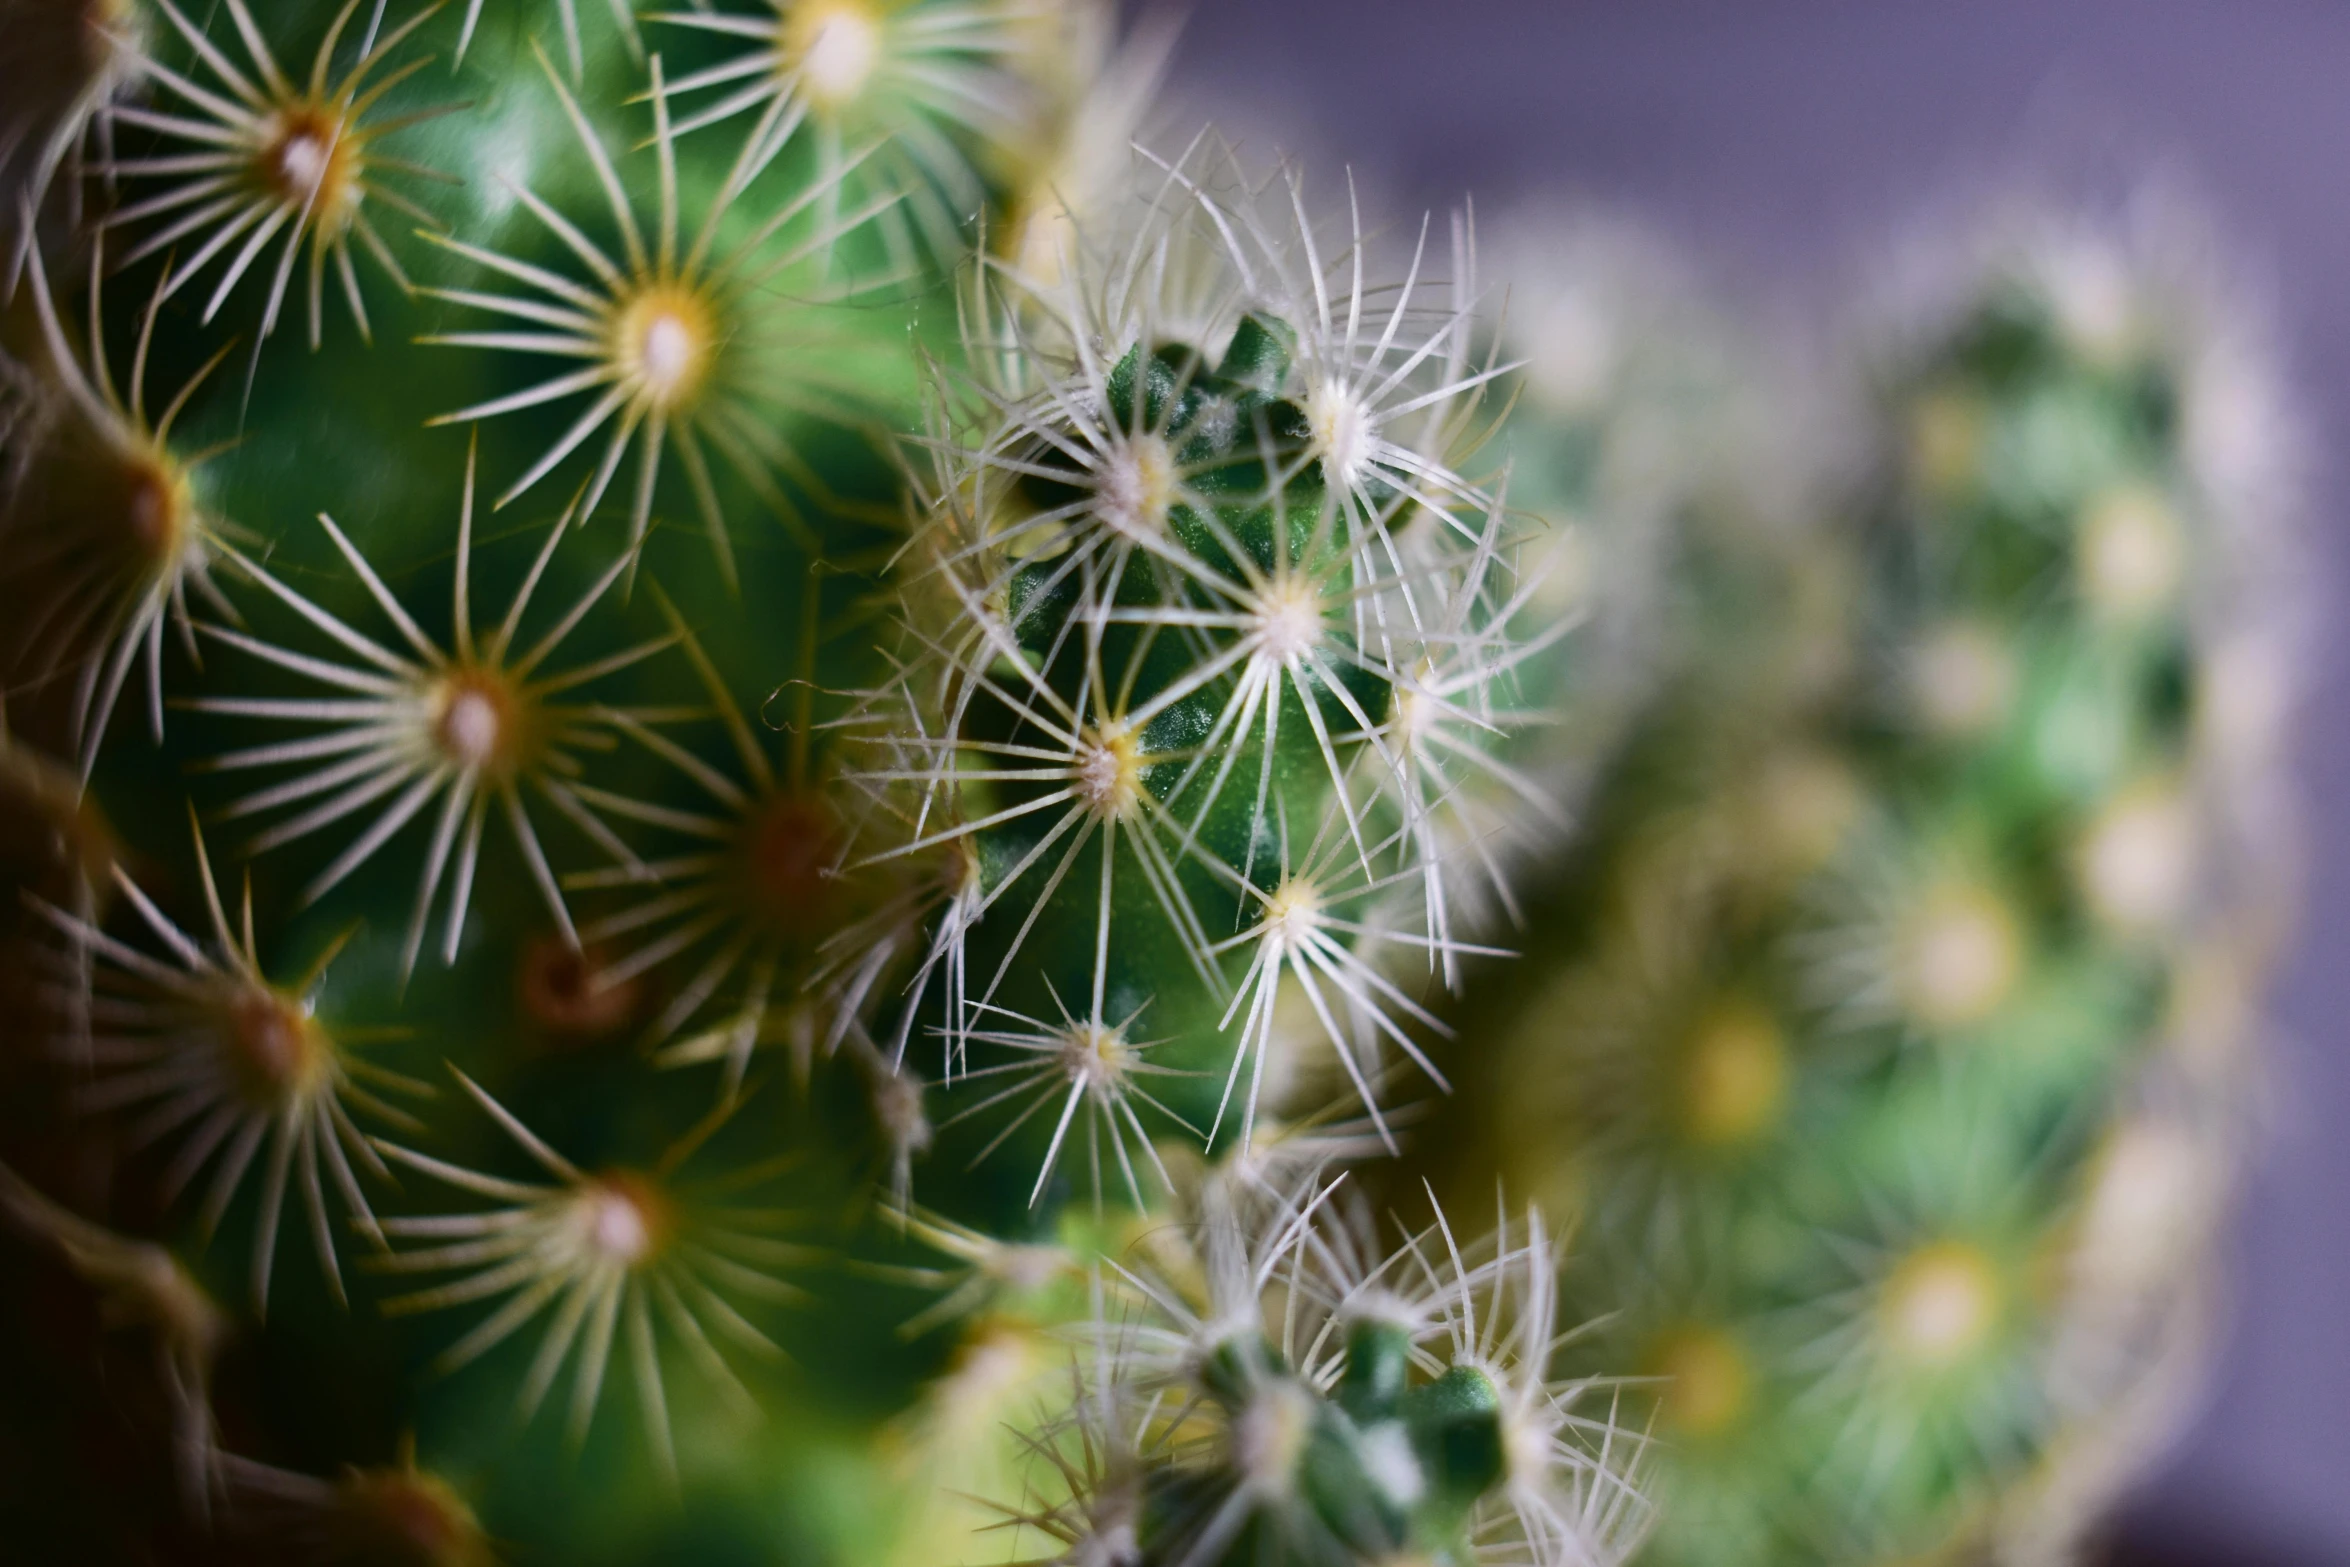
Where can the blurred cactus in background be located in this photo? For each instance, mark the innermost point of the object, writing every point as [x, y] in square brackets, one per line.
[1887, 1031]
[752, 787]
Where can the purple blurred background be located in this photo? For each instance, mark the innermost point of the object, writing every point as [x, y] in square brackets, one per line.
[1784, 142]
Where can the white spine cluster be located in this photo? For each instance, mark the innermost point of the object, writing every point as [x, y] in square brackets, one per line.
[264, 159]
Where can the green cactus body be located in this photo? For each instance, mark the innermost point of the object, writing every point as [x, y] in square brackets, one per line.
[1126, 671]
[1236, 654]
[1870, 964]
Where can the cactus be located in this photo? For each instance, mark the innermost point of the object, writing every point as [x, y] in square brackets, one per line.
[715, 683]
[756, 786]
[1901, 977]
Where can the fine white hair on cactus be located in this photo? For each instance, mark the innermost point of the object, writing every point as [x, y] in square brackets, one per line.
[611, 1252]
[932, 913]
[1309, 928]
[912, 81]
[1245, 1238]
[1099, 1451]
[123, 582]
[1382, 369]
[1264, 633]
[1283, 1149]
[1126, 477]
[1089, 757]
[1077, 155]
[1386, 377]
[1148, 265]
[1272, 635]
[1569, 1491]
[1187, 584]
[271, 157]
[1450, 712]
[1086, 1063]
[215, 1054]
[682, 340]
[469, 726]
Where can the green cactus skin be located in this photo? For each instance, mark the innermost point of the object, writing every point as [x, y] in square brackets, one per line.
[1905, 939]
